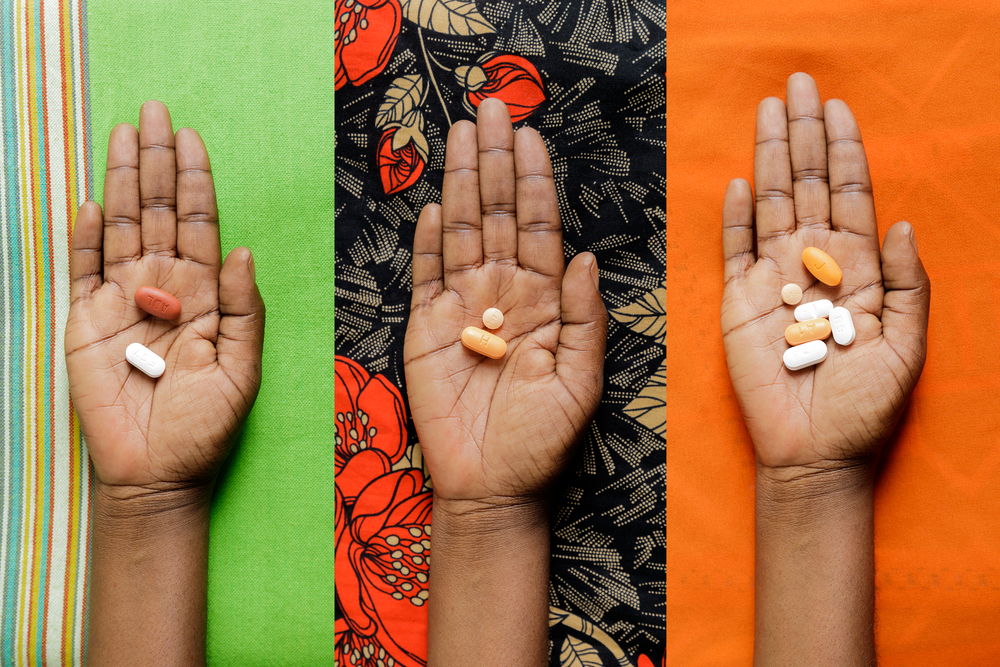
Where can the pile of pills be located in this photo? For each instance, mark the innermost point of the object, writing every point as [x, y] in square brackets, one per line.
[483, 342]
[815, 321]
[164, 306]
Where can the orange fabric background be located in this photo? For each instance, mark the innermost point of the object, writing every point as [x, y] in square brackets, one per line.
[923, 79]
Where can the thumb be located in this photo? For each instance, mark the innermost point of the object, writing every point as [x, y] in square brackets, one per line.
[906, 302]
[580, 357]
[241, 329]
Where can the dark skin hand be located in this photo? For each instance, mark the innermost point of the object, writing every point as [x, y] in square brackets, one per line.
[495, 432]
[817, 432]
[156, 445]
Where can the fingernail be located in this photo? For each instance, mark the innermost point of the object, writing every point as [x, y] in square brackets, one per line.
[594, 272]
[250, 265]
[910, 234]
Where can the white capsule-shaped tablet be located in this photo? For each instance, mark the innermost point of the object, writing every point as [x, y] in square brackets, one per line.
[813, 309]
[805, 355]
[145, 360]
[842, 325]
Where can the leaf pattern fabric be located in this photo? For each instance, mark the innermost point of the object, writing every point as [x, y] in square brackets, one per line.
[589, 75]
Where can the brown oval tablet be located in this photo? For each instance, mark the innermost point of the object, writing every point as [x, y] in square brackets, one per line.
[158, 303]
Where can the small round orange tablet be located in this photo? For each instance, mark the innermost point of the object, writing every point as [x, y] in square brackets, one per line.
[822, 266]
[803, 332]
[158, 303]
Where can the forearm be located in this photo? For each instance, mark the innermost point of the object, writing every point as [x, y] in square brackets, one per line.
[489, 585]
[147, 590]
[815, 567]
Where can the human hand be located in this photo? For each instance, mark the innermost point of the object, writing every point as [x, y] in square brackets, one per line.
[813, 189]
[497, 431]
[159, 228]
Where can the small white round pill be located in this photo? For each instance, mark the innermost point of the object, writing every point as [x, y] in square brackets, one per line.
[791, 294]
[145, 360]
[493, 318]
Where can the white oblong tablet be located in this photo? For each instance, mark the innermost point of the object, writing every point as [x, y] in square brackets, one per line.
[805, 355]
[842, 325]
[813, 309]
[145, 360]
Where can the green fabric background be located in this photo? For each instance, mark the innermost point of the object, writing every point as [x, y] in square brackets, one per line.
[256, 79]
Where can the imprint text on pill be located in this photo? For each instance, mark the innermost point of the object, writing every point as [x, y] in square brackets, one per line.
[803, 332]
[813, 309]
[493, 318]
[805, 355]
[822, 266]
[158, 303]
[145, 360]
[791, 294]
[843, 325]
[484, 342]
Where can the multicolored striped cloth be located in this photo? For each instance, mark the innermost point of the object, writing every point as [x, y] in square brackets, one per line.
[44, 472]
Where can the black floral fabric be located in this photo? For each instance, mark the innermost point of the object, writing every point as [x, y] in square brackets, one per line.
[590, 76]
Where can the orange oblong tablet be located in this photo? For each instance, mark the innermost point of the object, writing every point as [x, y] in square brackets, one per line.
[803, 332]
[158, 303]
[484, 342]
[821, 265]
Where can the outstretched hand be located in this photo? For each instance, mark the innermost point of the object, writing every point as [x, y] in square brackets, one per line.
[813, 189]
[159, 228]
[499, 430]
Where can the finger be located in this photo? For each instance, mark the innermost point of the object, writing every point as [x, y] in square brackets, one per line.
[241, 328]
[580, 356]
[462, 239]
[428, 270]
[157, 180]
[907, 297]
[539, 229]
[122, 235]
[85, 260]
[496, 181]
[807, 150]
[772, 173]
[737, 229]
[851, 204]
[197, 215]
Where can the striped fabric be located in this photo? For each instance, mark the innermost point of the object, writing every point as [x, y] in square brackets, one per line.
[44, 471]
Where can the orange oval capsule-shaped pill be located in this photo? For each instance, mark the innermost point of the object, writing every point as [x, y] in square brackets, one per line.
[821, 265]
[803, 332]
[158, 303]
[484, 342]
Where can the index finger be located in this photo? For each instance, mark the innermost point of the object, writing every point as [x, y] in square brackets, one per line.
[539, 229]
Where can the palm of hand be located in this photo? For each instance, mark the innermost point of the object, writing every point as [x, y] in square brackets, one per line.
[500, 428]
[844, 408]
[159, 229]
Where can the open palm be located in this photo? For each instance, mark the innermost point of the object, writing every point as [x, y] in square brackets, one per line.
[500, 428]
[813, 189]
[160, 228]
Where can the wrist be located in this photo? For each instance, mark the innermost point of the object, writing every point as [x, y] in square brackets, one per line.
[143, 512]
[805, 492]
[494, 516]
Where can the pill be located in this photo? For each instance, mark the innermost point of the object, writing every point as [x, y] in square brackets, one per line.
[493, 318]
[145, 360]
[158, 303]
[791, 294]
[484, 342]
[822, 266]
[802, 356]
[843, 325]
[813, 309]
[803, 332]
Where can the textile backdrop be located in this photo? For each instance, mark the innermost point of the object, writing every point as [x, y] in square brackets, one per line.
[266, 113]
[922, 79]
[589, 75]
